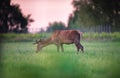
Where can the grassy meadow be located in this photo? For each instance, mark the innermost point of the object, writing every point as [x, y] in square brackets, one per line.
[101, 59]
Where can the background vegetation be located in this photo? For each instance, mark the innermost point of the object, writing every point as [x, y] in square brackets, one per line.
[12, 19]
[87, 36]
[98, 16]
[89, 15]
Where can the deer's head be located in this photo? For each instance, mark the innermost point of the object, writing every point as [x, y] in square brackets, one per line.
[40, 44]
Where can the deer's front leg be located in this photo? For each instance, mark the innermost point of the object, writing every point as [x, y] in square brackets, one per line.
[57, 43]
[62, 49]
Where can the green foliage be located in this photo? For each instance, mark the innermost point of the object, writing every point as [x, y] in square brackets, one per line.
[90, 13]
[100, 60]
[12, 19]
[55, 26]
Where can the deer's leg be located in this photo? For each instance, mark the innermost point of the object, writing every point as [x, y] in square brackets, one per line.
[81, 47]
[62, 49]
[58, 46]
[57, 43]
[77, 46]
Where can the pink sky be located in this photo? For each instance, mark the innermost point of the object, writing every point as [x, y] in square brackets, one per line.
[45, 11]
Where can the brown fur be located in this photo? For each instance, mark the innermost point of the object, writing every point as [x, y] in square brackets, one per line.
[60, 37]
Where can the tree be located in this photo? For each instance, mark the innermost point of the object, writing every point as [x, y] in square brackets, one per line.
[72, 23]
[11, 18]
[55, 26]
[92, 13]
[110, 10]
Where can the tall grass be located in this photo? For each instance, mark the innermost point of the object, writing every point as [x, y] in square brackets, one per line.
[101, 59]
[115, 36]
[86, 36]
[22, 37]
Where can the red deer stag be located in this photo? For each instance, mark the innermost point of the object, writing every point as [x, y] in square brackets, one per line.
[60, 37]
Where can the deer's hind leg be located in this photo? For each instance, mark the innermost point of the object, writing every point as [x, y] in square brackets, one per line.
[78, 45]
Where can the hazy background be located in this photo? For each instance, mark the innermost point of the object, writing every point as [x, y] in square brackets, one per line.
[45, 11]
[21, 16]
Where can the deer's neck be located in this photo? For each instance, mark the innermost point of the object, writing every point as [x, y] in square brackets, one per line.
[47, 42]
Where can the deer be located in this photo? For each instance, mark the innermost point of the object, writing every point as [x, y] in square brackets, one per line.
[60, 37]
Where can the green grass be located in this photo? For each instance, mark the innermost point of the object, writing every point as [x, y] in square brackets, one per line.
[100, 60]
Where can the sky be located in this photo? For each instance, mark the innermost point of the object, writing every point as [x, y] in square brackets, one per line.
[45, 11]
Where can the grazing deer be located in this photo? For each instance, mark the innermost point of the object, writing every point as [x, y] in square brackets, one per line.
[60, 37]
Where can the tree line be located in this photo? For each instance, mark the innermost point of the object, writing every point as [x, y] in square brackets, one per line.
[94, 14]
[89, 15]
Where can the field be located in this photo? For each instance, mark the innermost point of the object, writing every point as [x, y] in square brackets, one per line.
[101, 59]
